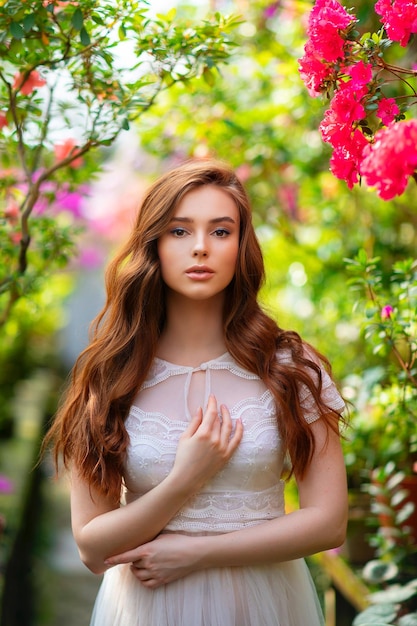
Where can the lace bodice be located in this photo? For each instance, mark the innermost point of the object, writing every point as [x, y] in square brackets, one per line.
[248, 490]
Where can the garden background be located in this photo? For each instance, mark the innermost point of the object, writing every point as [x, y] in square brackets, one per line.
[98, 99]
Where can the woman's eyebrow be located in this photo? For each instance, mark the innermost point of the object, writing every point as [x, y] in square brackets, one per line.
[215, 220]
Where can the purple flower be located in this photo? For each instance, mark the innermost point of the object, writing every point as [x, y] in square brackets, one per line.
[6, 485]
[386, 312]
[91, 257]
[271, 9]
[71, 201]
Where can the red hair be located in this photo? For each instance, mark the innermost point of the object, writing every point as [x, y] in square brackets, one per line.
[89, 428]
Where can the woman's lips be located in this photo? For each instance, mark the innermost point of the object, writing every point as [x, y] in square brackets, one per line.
[199, 272]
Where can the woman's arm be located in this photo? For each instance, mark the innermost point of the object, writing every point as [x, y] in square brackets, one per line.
[101, 529]
[319, 524]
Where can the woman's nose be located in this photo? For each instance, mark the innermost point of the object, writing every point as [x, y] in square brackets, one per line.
[199, 251]
[200, 247]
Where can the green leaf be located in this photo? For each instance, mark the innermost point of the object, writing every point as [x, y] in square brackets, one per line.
[125, 124]
[97, 19]
[408, 620]
[29, 22]
[374, 614]
[209, 77]
[84, 37]
[16, 30]
[77, 19]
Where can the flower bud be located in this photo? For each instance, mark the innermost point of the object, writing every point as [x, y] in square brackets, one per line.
[386, 312]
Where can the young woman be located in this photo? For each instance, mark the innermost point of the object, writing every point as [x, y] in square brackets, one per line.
[178, 419]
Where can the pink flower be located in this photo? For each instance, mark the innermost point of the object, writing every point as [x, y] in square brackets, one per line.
[391, 159]
[287, 194]
[361, 74]
[91, 257]
[399, 18]
[243, 172]
[3, 120]
[314, 73]
[26, 84]
[387, 110]
[327, 43]
[271, 10]
[386, 312]
[347, 157]
[58, 3]
[12, 213]
[15, 238]
[71, 201]
[327, 19]
[346, 104]
[6, 485]
[333, 130]
[65, 149]
[345, 109]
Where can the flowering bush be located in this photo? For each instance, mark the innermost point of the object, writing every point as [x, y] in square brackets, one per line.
[73, 76]
[367, 128]
[388, 414]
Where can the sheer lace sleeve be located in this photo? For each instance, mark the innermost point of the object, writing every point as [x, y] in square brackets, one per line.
[329, 393]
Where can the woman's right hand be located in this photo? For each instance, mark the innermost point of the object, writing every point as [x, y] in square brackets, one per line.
[206, 445]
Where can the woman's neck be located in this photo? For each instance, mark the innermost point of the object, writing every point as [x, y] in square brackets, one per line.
[193, 331]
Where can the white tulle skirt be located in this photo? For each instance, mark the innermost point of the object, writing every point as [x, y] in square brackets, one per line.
[268, 595]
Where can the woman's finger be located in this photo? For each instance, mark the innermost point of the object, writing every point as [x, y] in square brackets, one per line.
[125, 557]
[211, 415]
[194, 424]
[236, 437]
[226, 425]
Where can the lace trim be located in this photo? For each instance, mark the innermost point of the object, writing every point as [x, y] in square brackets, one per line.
[160, 424]
[229, 510]
[162, 370]
[226, 511]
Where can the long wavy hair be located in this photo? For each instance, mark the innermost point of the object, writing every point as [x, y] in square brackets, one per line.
[88, 430]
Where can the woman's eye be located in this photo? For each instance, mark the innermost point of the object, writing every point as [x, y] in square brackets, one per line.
[221, 232]
[178, 232]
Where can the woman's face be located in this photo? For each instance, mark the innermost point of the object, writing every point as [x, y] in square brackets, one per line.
[199, 250]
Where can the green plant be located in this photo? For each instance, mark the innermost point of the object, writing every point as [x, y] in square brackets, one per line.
[390, 504]
[387, 301]
[73, 76]
[392, 576]
[393, 604]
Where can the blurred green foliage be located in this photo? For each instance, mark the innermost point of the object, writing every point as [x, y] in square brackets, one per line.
[260, 118]
[257, 115]
[73, 76]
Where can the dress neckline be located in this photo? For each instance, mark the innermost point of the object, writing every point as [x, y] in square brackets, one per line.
[226, 356]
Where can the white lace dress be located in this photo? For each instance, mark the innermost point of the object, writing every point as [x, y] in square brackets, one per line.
[246, 492]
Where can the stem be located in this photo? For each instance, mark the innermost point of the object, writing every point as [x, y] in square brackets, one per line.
[397, 71]
[45, 126]
[405, 366]
[33, 196]
[21, 150]
[13, 296]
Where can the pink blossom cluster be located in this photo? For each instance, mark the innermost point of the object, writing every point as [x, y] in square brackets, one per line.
[27, 83]
[327, 27]
[387, 157]
[391, 159]
[399, 18]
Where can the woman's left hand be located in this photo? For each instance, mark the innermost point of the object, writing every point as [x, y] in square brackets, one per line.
[161, 561]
